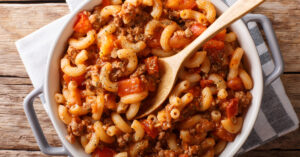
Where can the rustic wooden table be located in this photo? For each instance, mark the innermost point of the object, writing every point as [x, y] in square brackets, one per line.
[19, 18]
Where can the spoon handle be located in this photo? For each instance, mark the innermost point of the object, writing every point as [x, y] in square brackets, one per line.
[239, 9]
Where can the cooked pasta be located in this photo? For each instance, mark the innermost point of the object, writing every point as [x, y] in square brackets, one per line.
[111, 71]
[83, 42]
[139, 130]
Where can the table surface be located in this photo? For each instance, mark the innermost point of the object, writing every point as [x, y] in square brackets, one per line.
[19, 18]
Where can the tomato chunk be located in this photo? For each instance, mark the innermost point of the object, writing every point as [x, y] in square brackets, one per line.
[179, 40]
[151, 84]
[110, 101]
[130, 86]
[197, 29]
[221, 35]
[105, 3]
[214, 44]
[183, 155]
[78, 79]
[196, 91]
[206, 83]
[235, 84]
[82, 24]
[154, 42]
[104, 152]
[232, 108]
[152, 65]
[150, 129]
[223, 134]
[180, 4]
[106, 47]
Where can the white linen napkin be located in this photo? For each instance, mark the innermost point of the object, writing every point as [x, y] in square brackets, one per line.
[276, 117]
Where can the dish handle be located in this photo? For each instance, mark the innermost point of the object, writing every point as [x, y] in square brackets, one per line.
[272, 42]
[36, 128]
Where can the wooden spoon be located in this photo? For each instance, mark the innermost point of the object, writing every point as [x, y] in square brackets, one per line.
[171, 65]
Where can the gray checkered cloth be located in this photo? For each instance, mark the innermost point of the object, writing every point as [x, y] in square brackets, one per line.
[276, 116]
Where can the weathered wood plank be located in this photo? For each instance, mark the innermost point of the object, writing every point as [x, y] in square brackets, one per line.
[31, 1]
[19, 153]
[273, 153]
[19, 20]
[291, 84]
[14, 128]
[16, 133]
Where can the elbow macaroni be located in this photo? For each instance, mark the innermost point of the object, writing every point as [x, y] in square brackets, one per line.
[105, 80]
[131, 57]
[139, 130]
[193, 15]
[132, 111]
[84, 42]
[66, 67]
[235, 63]
[136, 47]
[166, 35]
[120, 123]
[157, 9]
[208, 8]
[196, 60]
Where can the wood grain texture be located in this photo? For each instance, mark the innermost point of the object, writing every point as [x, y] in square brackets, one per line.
[273, 153]
[31, 1]
[17, 21]
[15, 130]
[19, 153]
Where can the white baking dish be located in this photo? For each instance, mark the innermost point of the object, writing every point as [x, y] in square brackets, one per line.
[52, 85]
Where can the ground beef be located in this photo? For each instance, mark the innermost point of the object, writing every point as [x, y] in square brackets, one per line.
[174, 15]
[161, 135]
[118, 70]
[77, 128]
[204, 126]
[123, 140]
[135, 34]
[158, 146]
[72, 53]
[179, 33]
[199, 137]
[118, 21]
[95, 21]
[87, 121]
[107, 121]
[139, 71]
[166, 153]
[188, 33]
[244, 98]
[128, 13]
[192, 150]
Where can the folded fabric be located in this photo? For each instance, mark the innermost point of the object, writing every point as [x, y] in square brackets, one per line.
[276, 116]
